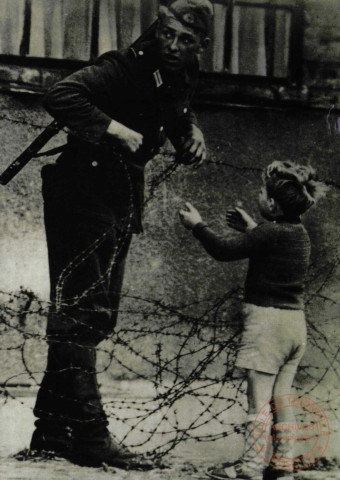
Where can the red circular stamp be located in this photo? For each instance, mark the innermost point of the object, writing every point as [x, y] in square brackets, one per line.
[292, 445]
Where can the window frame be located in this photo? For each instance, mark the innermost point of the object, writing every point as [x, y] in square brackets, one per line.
[60, 67]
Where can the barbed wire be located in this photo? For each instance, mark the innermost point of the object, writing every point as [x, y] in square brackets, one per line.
[185, 353]
[170, 169]
[156, 424]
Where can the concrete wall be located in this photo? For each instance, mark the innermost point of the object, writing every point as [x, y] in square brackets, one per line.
[322, 44]
[166, 263]
[242, 139]
[322, 39]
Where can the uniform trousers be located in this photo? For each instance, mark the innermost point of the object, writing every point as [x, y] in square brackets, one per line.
[87, 255]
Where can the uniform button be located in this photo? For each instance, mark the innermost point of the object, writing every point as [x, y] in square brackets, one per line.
[185, 110]
[94, 163]
[140, 52]
[161, 128]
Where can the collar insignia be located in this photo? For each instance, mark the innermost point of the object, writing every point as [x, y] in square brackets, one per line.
[158, 78]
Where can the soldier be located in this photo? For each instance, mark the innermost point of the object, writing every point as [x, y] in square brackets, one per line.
[119, 112]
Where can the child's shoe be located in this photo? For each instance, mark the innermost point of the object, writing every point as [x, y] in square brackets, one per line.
[282, 461]
[251, 465]
[237, 471]
[272, 474]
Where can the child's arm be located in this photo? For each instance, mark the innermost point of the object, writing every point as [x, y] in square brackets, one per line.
[218, 247]
[190, 217]
[239, 220]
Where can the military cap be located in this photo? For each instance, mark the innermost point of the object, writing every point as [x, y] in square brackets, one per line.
[195, 14]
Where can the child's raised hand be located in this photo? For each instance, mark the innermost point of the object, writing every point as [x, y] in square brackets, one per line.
[239, 220]
[190, 217]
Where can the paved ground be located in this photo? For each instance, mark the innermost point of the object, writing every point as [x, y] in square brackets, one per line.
[11, 469]
[189, 460]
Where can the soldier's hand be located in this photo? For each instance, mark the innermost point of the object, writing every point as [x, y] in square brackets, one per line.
[190, 217]
[129, 139]
[194, 149]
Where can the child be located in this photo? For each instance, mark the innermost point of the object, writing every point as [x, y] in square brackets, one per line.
[274, 330]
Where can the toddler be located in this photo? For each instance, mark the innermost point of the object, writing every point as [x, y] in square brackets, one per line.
[274, 331]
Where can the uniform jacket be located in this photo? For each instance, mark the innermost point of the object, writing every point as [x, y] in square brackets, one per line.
[129, 87]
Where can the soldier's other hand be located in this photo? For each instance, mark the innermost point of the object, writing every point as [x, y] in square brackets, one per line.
[239, 220]
[190, 217]
[129, 139]
[194, 149]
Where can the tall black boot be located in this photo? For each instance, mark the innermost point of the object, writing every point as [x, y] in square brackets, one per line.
[93, 444]
[68, 398]
[54, 406]
[52, 437]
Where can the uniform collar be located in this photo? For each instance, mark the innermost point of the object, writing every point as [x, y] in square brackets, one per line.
[147, 53]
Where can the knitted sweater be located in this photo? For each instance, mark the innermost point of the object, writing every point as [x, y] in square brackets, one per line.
[278, 255]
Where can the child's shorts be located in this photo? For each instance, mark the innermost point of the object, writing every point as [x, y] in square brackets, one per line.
[273, 339]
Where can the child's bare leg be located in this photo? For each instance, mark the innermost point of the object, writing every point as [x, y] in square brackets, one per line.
[259, 393]
[283, 387]
[251, 463]
[260, 390]
[283, 430]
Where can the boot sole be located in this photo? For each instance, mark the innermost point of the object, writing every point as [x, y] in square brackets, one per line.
[209, 473]
[122, 463]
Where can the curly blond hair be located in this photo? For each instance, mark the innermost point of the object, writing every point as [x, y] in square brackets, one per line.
[294, 187]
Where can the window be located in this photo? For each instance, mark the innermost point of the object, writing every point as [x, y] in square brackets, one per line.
[71, 29]
[257, 38]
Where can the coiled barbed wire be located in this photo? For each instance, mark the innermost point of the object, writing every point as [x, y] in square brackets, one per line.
[198, 368]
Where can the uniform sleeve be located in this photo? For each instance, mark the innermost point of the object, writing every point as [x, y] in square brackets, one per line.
[75, 101]
[180, 124]
[187, 119]
[235, 248]
[188, 116]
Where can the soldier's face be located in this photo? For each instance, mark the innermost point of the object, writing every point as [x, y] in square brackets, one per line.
[178, 44]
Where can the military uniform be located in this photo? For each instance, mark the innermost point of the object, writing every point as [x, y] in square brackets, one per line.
[93, 198]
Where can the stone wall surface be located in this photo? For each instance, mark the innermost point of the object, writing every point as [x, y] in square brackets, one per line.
[166, 263]
[322, 39]
[241, 141]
